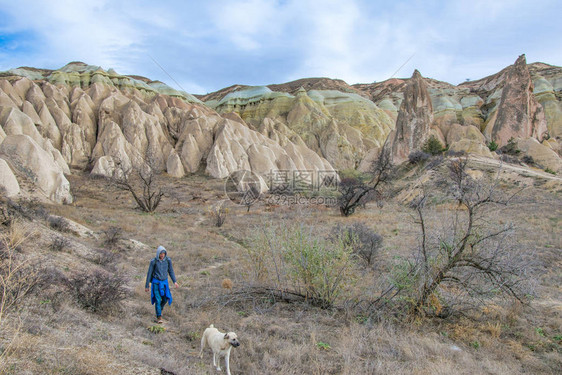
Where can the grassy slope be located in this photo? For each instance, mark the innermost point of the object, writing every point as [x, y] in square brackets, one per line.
[57, 336]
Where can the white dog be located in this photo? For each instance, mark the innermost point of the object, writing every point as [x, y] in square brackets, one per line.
[220, 343]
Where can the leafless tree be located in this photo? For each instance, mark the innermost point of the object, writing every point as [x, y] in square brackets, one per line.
[355, 193]
[149, 195]
[467, 258]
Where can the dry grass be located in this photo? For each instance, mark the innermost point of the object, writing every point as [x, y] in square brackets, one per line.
[57, 336]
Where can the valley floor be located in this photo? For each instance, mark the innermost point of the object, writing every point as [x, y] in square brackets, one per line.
[48, 332]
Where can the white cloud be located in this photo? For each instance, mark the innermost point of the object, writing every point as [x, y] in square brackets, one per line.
[210, 45]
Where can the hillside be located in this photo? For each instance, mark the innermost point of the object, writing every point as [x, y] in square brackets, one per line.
[52, 331]
[408, 226]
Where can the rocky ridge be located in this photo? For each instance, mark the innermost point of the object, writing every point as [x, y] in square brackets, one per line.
[520, 102]
[81, 116]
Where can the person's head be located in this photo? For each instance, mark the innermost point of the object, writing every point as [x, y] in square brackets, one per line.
[161, 252]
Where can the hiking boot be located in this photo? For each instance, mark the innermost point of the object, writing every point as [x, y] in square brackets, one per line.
[159, 320]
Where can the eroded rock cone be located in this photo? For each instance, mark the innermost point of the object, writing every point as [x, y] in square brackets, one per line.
[519, 115]
[414, 119]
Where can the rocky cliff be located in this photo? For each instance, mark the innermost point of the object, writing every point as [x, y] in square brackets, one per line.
[81, 116]
[331, 118]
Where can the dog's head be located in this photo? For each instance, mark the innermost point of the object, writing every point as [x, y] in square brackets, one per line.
[232, 339]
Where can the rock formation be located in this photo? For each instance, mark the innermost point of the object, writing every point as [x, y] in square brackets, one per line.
[413, 122]
[81, 116]
[341, 126]
[519, 115]
[8, 181]
[36, 165]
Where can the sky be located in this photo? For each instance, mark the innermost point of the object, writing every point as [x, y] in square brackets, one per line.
[203, 46]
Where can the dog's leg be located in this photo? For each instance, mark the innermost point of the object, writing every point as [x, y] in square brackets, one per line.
[203, 345]
[215, 363]
[227, 362]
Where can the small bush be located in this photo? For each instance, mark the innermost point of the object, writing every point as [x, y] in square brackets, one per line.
[218, 213]
[105, 257]
[510, 148]
[418, 156]
[58, 223]
[292, 259]
[527, 159]
[157, 329]
[493, 146]
[548, 170]
[23, 209]
[112, 235]
[509, 159]
[364, 242]
[433, 146]
[59, 243]
[98, 290]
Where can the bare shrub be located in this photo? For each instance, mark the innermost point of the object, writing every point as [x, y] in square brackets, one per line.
[18, 278]
[355, 193]
[28, 209]
[98, 290]
[292, 260]
[59, 243]
[364, 242]
[149, 195]
[112, 235]
[105, 257]
[464, 259]
[418, 156]
[218, 213]
[58, 223]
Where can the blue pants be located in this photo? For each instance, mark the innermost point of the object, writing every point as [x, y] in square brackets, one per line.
[159, 304]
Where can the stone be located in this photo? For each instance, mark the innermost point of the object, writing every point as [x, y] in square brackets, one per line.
[8, 181]
[542, 155]
[174, 166]
[30, 161]
[470, 147]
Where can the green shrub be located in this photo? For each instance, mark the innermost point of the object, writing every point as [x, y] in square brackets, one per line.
[493, 146]
[157, 329]
[292, 258]
[433, 146]
[548, 170]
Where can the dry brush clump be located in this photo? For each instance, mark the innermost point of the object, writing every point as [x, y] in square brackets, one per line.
[291, 261]
[98, 290]
[19, 276]
[218, 213]
[464, 259]
[354, 192]
[364, 242]
[112, 235]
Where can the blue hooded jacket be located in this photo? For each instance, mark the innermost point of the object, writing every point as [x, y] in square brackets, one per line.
[159, 269]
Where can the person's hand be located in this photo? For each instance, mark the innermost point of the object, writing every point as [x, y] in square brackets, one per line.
[146, 290]
[176, 284]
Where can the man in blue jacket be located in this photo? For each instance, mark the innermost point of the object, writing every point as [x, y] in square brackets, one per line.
[158, 271]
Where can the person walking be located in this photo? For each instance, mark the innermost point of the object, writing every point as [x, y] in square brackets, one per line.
[158, 271]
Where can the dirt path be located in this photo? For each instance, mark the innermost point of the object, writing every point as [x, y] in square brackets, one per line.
[525, 172]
